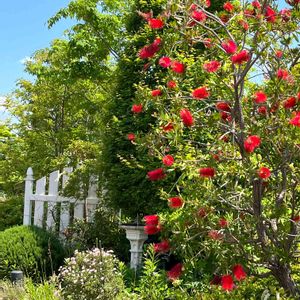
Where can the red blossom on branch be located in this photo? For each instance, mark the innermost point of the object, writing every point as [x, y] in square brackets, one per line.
[162, 247]
[262, 110]
[256, 4]
[215, 235]
[260, 97]
[149, 51]
[171, 84]
[227, 282]
[240, 57]
[155, 23]
[131, 136]
[177, 67]
[137, 108]
[282, 74]
[168, 127]
[278, 53]
[207, 172]
[156, 174]
[199, 15]
[270, 15]
[165, 62]
[296, 120]
[156, 93]
[289, 103]
[186, 117]
[251, 143]
[228, 7]
[223, 106]
[175, 202]
[212, 66]
[168, 160]
[223, 223]
[151, 220]
[238, 272]
[175, 272]
[200, 93]
[264, 173]
[229, 46]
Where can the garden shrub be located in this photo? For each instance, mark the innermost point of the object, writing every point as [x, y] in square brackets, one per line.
[31, 249]
[91, 274]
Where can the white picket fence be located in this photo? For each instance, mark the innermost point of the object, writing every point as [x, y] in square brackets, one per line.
[44, 205]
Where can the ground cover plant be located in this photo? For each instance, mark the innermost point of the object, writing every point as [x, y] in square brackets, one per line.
[227, 135]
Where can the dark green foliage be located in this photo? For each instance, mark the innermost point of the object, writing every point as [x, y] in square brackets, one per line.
[33, 250]
[11, 211]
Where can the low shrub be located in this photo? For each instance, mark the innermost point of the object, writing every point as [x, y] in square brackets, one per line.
[33, 250]
[92, 274]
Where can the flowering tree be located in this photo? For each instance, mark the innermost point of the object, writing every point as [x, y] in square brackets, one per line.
[227, 134]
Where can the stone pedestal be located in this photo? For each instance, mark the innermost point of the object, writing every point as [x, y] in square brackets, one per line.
[137, 237]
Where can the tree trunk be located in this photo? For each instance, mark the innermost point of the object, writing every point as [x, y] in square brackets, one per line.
[282, 273]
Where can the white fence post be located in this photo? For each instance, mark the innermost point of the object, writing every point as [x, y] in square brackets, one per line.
[27, 197]
[39, 205]
[53, 191]
[92, 199]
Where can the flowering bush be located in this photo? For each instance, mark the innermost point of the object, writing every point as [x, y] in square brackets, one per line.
[93, 274]
[232, 125]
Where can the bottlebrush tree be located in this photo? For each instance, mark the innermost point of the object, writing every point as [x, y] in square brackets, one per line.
[227, 133]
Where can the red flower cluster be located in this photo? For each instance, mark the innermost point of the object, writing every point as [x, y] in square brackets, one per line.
[256, 4]
[215, 235]
[156, 93]
[230, 47]
[168, 127]
[168, 160]
[171, 84]
[165, 62]
[264, 173]
[207, 172]
[282, 74]
[223, 223]
[177, 67]
[175, 272]
[296, 120]
[175, 202]
[240, 57]
[149, 50]
[212, 66]
[131, 136]
[200, 93]
[262, 110]
[239, 272]
[223, 106]
[186, 117]
[162, 247]
[137, 108]
[260, 97]
[270, 15]
[199, 15]
[289, 103]
[251, 143]
[228, 7]
[156, 23]
[156, 174]
[227, 282]
[278, 53]
[152, 224]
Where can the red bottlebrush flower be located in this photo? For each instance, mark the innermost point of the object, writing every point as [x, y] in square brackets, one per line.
[171, 84]
[156, 23]
[215, 235]
[193, 6]
[282, 74]
[296, 120]
[207, 172]
[199, 15]
[264, 173]
[260, 97]
[270, 15]
[228, 7]
[207, 3]
[227, 282]
[256, 4]
[225, 116]
[162, 247]
[151, 220]
[186, 117]
[244, 24]
[202, 213]
[177, 67]
[200, 93]
[251, 143]
[238, 272]
[278, 53]
[168, 160]
[223, 106]
[262, 110]
[223, 223]
[131, 136]
[156, 174]
[207, 43]
[296, 219]
[230, 47]
[168, 127]
[212, 66]
[285, 14]
[216, 280]
[240, 57]
[149, 51]
[175, 272]
[175, 202]
[156, 93]
[165, 62]
[290, 102]
[137, 108]
[151, 229]
[224, 16]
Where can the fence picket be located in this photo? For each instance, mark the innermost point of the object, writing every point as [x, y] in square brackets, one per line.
[39, 205]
